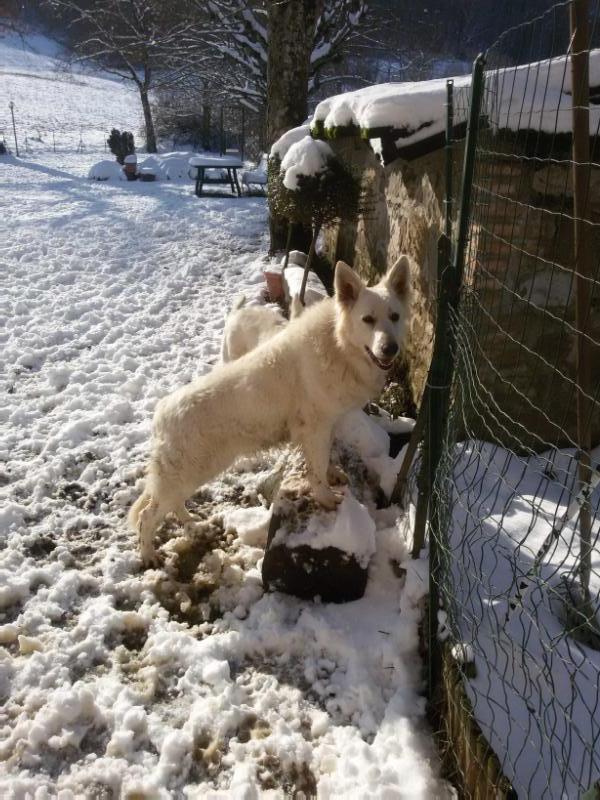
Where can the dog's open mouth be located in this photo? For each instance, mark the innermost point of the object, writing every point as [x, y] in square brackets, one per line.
[384, 365]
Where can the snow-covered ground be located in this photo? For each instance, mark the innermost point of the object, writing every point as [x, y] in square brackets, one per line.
[57, 108]
[536, 691]
[186, 681]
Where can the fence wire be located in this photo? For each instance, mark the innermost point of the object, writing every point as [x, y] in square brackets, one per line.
[519, 588]
[243, 131]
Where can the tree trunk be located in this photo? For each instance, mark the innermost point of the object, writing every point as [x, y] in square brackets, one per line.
[291, 28]
[148, 121]
[206, 127]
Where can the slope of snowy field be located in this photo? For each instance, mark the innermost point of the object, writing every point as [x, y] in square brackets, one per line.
[56, 108]
[186, 681]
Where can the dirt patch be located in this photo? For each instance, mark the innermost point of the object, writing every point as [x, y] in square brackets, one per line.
[297, 781]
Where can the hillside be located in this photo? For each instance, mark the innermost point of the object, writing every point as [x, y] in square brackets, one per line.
[58, 107]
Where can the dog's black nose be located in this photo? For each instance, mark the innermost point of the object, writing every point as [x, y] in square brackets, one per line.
[389, 349]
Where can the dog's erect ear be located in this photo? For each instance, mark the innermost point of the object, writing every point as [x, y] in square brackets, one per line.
[347, 284]
[398, 277]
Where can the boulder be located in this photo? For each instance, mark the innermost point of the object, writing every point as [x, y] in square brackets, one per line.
[330, 574]
[316, 554]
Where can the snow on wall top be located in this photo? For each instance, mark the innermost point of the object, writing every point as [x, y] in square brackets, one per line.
[534, 96]
[407, 106]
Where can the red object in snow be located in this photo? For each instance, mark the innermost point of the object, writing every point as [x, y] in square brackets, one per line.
[274, 281]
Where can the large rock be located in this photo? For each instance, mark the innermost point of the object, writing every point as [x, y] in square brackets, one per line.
[312, 553]
[329, 574]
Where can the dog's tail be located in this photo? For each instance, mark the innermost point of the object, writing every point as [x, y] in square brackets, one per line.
[239, 303]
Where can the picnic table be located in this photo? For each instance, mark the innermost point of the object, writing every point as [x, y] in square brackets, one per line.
[226, 163]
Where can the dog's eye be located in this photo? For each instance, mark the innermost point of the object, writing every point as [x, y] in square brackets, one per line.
[394, 317]
[368, 319]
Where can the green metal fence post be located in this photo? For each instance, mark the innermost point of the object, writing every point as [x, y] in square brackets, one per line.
[416, 438]
[580, 80]
[442, 364]
[449, 155]
[477, 84]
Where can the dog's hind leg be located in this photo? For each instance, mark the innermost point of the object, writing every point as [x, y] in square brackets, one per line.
[145, 517]
[336, 474]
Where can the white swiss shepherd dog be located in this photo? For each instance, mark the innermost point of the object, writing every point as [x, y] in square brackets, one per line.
[293, 387]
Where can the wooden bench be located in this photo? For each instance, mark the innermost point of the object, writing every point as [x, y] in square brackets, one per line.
[257, 176]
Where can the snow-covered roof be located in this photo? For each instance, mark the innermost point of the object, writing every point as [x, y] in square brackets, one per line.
[535, 96]
[416, 109]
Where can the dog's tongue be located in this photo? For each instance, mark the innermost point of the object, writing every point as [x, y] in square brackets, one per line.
[385, 365]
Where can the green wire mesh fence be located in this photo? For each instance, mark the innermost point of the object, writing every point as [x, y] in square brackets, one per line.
[514, 504]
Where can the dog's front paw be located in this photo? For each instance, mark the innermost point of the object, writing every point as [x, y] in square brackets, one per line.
[326, 498]
[336, 475]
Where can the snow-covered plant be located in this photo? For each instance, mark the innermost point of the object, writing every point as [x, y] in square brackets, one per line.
[311, 186]
[121, 144]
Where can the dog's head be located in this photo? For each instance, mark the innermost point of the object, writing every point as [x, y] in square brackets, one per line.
[374, 318]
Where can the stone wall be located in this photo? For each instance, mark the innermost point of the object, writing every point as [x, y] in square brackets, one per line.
[519, 377]
[406, 216]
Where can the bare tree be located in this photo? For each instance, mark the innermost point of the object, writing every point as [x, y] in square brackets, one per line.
[138, 40]
[291, 29]
[246, 35]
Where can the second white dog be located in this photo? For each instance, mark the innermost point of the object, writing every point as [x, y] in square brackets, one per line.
[248, 326]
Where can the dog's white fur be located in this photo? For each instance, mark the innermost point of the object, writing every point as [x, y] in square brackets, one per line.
[248, 326]
[292, 387]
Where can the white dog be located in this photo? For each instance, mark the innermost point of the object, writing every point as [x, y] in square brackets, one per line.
[248, 326]
[293, 387]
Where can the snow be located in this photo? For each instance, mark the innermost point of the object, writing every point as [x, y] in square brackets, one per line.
[535, 690]
[165, 166]
[58, 108]
[289, 138]
[417, 108]
[215, 161]
[352, 532]
[314, 290]
[106, 170]
[187, 681]
[367, 435]
[307, 157]
[258, 175]
[536, 96]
